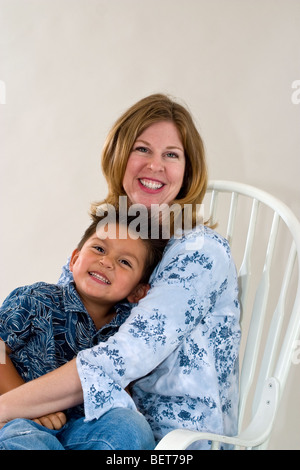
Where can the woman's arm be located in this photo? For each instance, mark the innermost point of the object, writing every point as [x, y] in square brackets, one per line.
[57, 390]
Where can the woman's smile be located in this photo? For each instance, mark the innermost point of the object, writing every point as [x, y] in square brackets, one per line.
[150, 184]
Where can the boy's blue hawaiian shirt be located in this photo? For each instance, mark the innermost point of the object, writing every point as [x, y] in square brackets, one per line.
[46, 325]
[179, 346]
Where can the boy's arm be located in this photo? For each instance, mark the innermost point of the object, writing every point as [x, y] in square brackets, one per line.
[57, 390]
[9, 377]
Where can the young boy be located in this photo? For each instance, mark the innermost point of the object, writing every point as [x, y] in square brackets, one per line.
[44, 326]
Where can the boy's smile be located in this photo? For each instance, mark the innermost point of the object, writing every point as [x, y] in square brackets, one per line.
[99, 277]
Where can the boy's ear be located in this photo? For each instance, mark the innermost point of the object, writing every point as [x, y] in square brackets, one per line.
[138, 293]
[73, 259]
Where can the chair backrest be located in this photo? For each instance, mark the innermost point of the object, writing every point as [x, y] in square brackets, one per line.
[264, 236]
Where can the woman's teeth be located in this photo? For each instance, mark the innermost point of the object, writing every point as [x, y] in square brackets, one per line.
[151, 184]
[101, 278]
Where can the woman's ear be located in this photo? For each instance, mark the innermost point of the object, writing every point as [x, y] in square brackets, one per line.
[73, 259]
[138, 293]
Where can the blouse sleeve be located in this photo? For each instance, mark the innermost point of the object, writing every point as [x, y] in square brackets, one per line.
[185, 288]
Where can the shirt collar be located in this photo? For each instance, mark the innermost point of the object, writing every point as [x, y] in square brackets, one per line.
[73, 303]
[71, 298]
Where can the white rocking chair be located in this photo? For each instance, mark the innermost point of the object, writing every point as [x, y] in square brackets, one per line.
[269, 280]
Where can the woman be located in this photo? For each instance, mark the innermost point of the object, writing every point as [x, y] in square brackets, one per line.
[179, 346]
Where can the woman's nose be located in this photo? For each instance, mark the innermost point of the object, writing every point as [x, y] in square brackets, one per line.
[156, 163]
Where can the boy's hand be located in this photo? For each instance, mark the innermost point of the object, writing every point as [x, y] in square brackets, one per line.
[53, 420]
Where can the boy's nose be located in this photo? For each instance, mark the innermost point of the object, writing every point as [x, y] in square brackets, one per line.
[106, 262]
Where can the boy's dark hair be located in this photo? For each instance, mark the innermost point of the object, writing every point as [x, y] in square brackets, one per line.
[155, 246]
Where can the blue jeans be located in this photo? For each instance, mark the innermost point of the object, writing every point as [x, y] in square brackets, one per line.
[118, 429]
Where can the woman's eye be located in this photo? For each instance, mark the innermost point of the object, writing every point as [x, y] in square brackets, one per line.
[172, 155]
[142, 149]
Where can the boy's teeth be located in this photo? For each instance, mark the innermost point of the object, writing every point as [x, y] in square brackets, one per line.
[151, 184]
[101, 278]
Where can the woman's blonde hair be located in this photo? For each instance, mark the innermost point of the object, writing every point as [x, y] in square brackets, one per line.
[121, 138]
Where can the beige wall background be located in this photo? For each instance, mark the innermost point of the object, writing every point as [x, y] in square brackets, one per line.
[68, 68]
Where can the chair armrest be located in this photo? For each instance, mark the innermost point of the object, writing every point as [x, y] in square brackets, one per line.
[255, 435]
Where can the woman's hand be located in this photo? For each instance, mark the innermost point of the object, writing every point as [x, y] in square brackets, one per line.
[53, 420]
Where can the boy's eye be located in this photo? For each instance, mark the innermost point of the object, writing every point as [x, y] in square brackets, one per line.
[99, 248]
[126, 263]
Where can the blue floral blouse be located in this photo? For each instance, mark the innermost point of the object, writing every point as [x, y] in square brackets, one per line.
[179, 347]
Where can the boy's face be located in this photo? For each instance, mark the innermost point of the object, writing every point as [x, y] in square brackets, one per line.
[109, 270]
